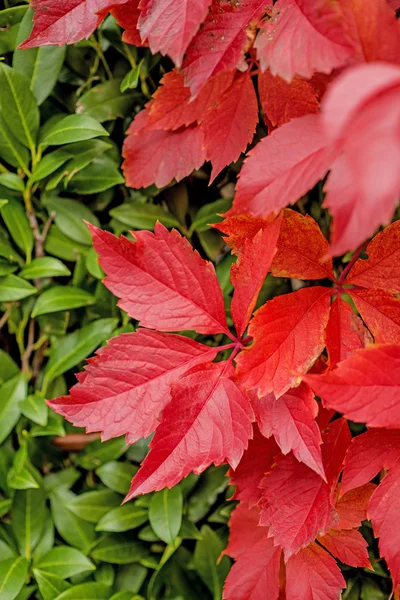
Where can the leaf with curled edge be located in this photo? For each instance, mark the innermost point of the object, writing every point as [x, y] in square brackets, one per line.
[161, 280]
[207, 421]
[124, 389]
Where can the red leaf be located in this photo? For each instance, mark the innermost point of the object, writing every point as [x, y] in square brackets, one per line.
[282, 167]
[345, 332]
[231, 123]
[288, 334]
[219, 45]
[381, 313]
[240, 228]
[126, 386]
[161, 281]
[291, 420]
[313, 574]
[297, 504]
[256, 461]
[170, 25]
[384, 512]
[160, 156]
[348, 546]
[368, 454]
[352, 507]
[302, 249]
[66, 22]
[365, 387]
[244, 531]
[207, 421]
[249, 273]
[381, 270]
[360, 112]
[172, 107]
[282, 101]
[301, 38]
[127, 16]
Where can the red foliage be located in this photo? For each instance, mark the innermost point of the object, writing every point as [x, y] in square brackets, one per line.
[327, 77]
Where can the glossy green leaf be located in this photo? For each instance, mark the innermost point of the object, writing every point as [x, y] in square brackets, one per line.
[86, 591]
[50, 163]
[8, 367]
[35, 408]
[131, 79]
[165, 513]
[40, 66]
[27, 515]
[9, 25]
[92, 264]
[5, 505]
[210, 214]
[100, 175]
[22, 475]
[106, 102]
[77, 346]
[117, 475]
[12, 182]
[72, 529]
[15, 218]
[83, 154]
[70, 216]
[188, 530]
[65, 562]
[130, 577]
[72, 128]
[11, 393]
[11, 150]
[63, 247]
[92, 506]
[46, 266]
[60, 298]
[118, 550]
[50, 586]
[123, 518]
[206, 561]
[97, 453]
[13, 573]
[134, 214]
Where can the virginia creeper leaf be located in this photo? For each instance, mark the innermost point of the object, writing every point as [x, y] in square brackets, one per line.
[345, 332]
[348, 546]
[127, 16]
[240, 228]
[352, 506]
[381, 312]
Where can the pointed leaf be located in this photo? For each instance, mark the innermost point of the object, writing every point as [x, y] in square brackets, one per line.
[214, 427]
[64, 562]
[161, 281]
[60, 298]
[123, 518]
[352, 506]
[13, 573]
[165, 514]
[348, 546]
[345, 332]
[288, 335]
[381, 313]
[50, 586]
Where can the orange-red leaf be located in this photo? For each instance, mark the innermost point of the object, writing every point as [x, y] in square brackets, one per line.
[352, 506]
[288, 335]
[127, 16]
[345, 332]
[240, 228]
[348, 546]
[381, 312]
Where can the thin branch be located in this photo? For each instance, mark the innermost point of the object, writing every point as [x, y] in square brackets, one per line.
[4, 319]
[29, 348]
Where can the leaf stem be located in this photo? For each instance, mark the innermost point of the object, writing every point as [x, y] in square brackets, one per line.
[354, 259]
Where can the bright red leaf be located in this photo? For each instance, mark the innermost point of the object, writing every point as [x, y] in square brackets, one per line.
[282, 101]
[348, 546]
[312, 574]
[299, 39]
[240, 228]
[365, 387]
[127, 16]
[381, 313]
[161, 281]
[66, 22]
[288, 335]
[207, 421]
[291, 420]
[231, 123]
[126, 386]
[170, 25]
[345, 332]
[249, 273]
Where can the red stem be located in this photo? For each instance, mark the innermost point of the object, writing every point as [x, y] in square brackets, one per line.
[354, 259]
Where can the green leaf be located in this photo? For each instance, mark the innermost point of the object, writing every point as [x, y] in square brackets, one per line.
[92, 264]
[206, 555]
[11, 394]
[50, 586]
[73, 530]
[12, 182]
[118, 550]
[165, 513]
[8, 252]
[209, 214]
[46, 266]
[35, 408]
[47, 540]
[27, 515]
[130, 577]
[123, 518]
[62, 479]
[8, 368]
[188, 530]
[17, 223]
[59, 245]
[73, 128]
[106, 102]
[137, 215]
[117, 475]
[60, 298]
[7, 268]
[86, 591]
[83, 154]
[76, 346]
[131, 79]
[19, 104]
[5, 505]
[96, 453]
[41, 66]
[13, 572]
[21, 475]
[92, 506]
[125, 595]
[65, 562]
[50, 163]
[212, 483]
[11, 150]
[100, 175]
[9, 25]
[70, 217]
